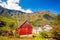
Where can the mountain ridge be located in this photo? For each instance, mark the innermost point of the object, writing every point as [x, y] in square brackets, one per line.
[36, 18]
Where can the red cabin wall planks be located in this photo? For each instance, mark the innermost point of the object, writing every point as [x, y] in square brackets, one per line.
[24, 29]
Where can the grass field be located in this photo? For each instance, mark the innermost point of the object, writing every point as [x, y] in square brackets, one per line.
[22, 38]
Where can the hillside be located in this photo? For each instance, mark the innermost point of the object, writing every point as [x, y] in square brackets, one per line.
[36, 19]
[6, 12]
[39, 18]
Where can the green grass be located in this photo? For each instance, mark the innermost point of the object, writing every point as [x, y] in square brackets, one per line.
[22, 38]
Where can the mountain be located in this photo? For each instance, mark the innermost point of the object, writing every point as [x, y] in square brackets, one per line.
[8, 11]
[36, 19]
[39, 18]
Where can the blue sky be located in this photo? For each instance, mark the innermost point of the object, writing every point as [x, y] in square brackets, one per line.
[38, 5]
[34, 5]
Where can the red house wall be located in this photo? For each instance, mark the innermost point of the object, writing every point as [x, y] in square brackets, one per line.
[25, 29]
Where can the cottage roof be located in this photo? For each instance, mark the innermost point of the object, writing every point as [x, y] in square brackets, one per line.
[20, 23]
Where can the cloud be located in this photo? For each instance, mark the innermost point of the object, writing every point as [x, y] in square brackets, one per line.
[28, 11]
[0, 1]
[13, 4]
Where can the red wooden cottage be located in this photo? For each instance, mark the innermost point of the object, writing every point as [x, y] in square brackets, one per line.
[24, 29]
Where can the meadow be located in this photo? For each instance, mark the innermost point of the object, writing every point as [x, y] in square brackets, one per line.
[22, 38]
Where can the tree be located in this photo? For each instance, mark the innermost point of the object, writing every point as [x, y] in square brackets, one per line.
[6, 24]
[2, 23]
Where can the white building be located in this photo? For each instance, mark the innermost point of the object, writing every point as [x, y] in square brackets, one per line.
[37, 30]
[47, 28]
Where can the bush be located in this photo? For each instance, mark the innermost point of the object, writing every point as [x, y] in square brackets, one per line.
[56, 36]
[44, 35]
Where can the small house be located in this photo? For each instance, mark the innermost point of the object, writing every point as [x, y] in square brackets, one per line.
[47, 28]
[24, 29]
[37, 30]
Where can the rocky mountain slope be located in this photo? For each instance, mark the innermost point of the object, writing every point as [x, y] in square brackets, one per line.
[36, 19]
